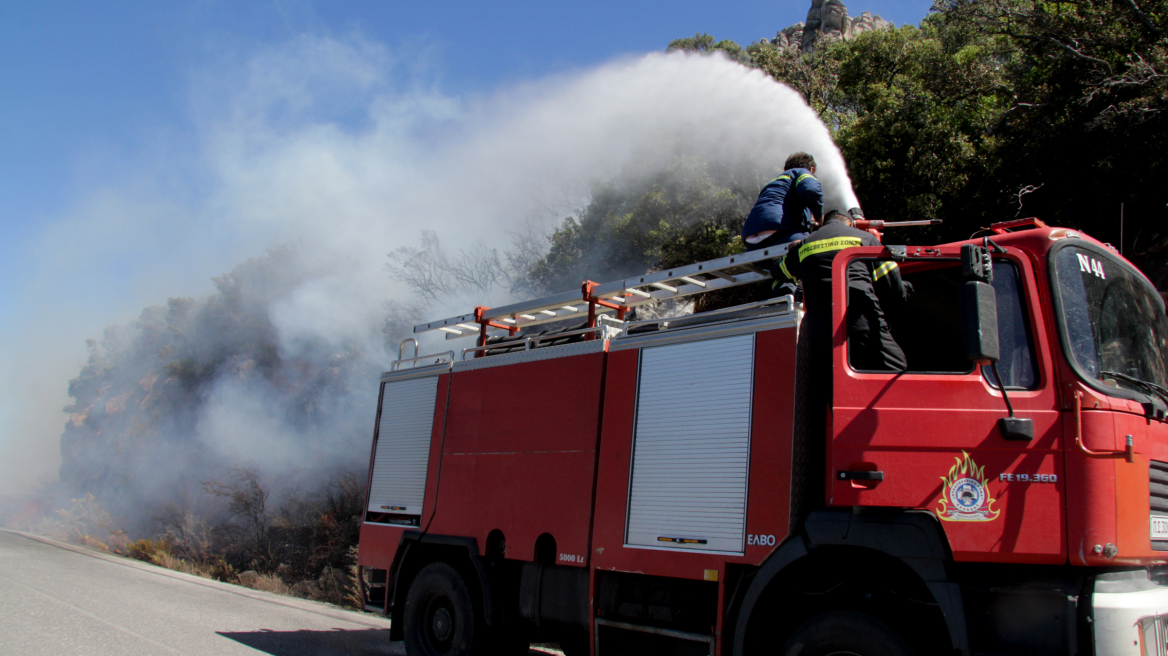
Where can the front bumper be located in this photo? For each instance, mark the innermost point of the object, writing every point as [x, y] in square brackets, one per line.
[1130, 619]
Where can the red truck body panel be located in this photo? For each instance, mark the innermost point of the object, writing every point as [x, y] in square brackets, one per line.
[916, 428]
[520, 455]
[1108, 502]
[769, 482]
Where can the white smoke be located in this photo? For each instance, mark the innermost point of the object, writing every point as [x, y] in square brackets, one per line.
[356, 194]
[337, 147]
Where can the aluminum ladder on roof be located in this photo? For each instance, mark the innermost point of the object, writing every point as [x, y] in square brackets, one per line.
[618, 296]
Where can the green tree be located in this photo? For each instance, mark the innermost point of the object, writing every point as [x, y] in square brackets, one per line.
[919, 108]
[632, 223]
[997, 109]
[1088, 128]
[704, 43]
[814, 75]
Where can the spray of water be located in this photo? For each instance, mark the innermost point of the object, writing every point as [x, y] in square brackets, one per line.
[321, 145]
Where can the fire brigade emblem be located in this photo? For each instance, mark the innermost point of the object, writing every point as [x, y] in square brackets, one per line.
[965, 494]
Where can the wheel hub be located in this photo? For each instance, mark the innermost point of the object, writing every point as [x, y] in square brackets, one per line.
[442, 625]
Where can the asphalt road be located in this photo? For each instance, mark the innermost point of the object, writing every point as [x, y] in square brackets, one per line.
[62, 600]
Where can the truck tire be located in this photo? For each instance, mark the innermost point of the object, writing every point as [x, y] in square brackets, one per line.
[845, 633]
[440, 617]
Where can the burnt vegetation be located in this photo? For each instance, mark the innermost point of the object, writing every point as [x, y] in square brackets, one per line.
[196, 441]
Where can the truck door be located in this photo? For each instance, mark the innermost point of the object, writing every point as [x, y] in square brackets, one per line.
[928, 437]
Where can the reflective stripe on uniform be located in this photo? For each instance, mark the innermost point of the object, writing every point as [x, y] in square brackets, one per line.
[828, 245]
[883, 270]
[783, 268]
[781, 177]
[804, 177]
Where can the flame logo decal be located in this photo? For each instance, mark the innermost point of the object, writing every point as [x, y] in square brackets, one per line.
[965, 494]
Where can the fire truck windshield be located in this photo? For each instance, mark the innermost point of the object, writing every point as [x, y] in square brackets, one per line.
[1113, 324]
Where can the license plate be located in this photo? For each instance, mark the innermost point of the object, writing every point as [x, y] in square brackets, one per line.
[1159, 528]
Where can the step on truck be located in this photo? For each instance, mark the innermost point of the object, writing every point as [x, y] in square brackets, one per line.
[672, 486]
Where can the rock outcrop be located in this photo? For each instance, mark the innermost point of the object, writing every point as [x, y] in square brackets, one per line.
[790, 37]
[827, 21]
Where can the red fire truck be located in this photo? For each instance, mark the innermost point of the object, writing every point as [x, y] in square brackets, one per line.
[672, 485]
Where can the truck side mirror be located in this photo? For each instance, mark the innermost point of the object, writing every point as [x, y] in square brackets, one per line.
[979, 322]
[979, 331]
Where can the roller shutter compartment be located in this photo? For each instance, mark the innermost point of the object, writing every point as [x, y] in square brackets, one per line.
[691, 445]
[403, 446]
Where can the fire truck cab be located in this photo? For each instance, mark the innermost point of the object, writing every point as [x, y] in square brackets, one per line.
[673, 486]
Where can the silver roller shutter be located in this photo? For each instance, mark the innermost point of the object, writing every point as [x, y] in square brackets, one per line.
[403, 446]
[691, 445]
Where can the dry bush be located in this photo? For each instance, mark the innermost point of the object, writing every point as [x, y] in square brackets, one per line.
[186, 533]
[147, 550]
[313, 537]
[221, 570]
[352, 597]
[87, 522]
[163, 552]
[264, 582]
[170, 561]
[334, 586]
[317, 527]
[26, 512]
[246, 499]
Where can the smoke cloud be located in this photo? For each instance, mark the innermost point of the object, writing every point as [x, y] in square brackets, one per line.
[345, 151]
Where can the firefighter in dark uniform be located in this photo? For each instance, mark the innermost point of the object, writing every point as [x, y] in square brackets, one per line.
[788, 209]
[871, 346]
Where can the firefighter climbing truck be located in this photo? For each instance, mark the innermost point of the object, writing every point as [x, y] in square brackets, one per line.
[674, 486]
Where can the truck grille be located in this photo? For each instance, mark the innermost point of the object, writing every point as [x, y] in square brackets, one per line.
[1158, 503]
[1154, 636]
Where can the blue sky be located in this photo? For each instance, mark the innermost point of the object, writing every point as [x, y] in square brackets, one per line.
[113, 115]
[86, 84]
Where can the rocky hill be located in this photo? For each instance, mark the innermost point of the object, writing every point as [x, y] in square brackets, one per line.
[827, 21]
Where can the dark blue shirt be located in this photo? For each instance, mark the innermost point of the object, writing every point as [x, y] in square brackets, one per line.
[786, 204]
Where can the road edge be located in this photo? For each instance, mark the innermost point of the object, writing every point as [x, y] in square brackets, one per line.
[306, 605]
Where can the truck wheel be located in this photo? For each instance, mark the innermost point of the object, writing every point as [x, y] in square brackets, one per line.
[440, 618]
[845, 633]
